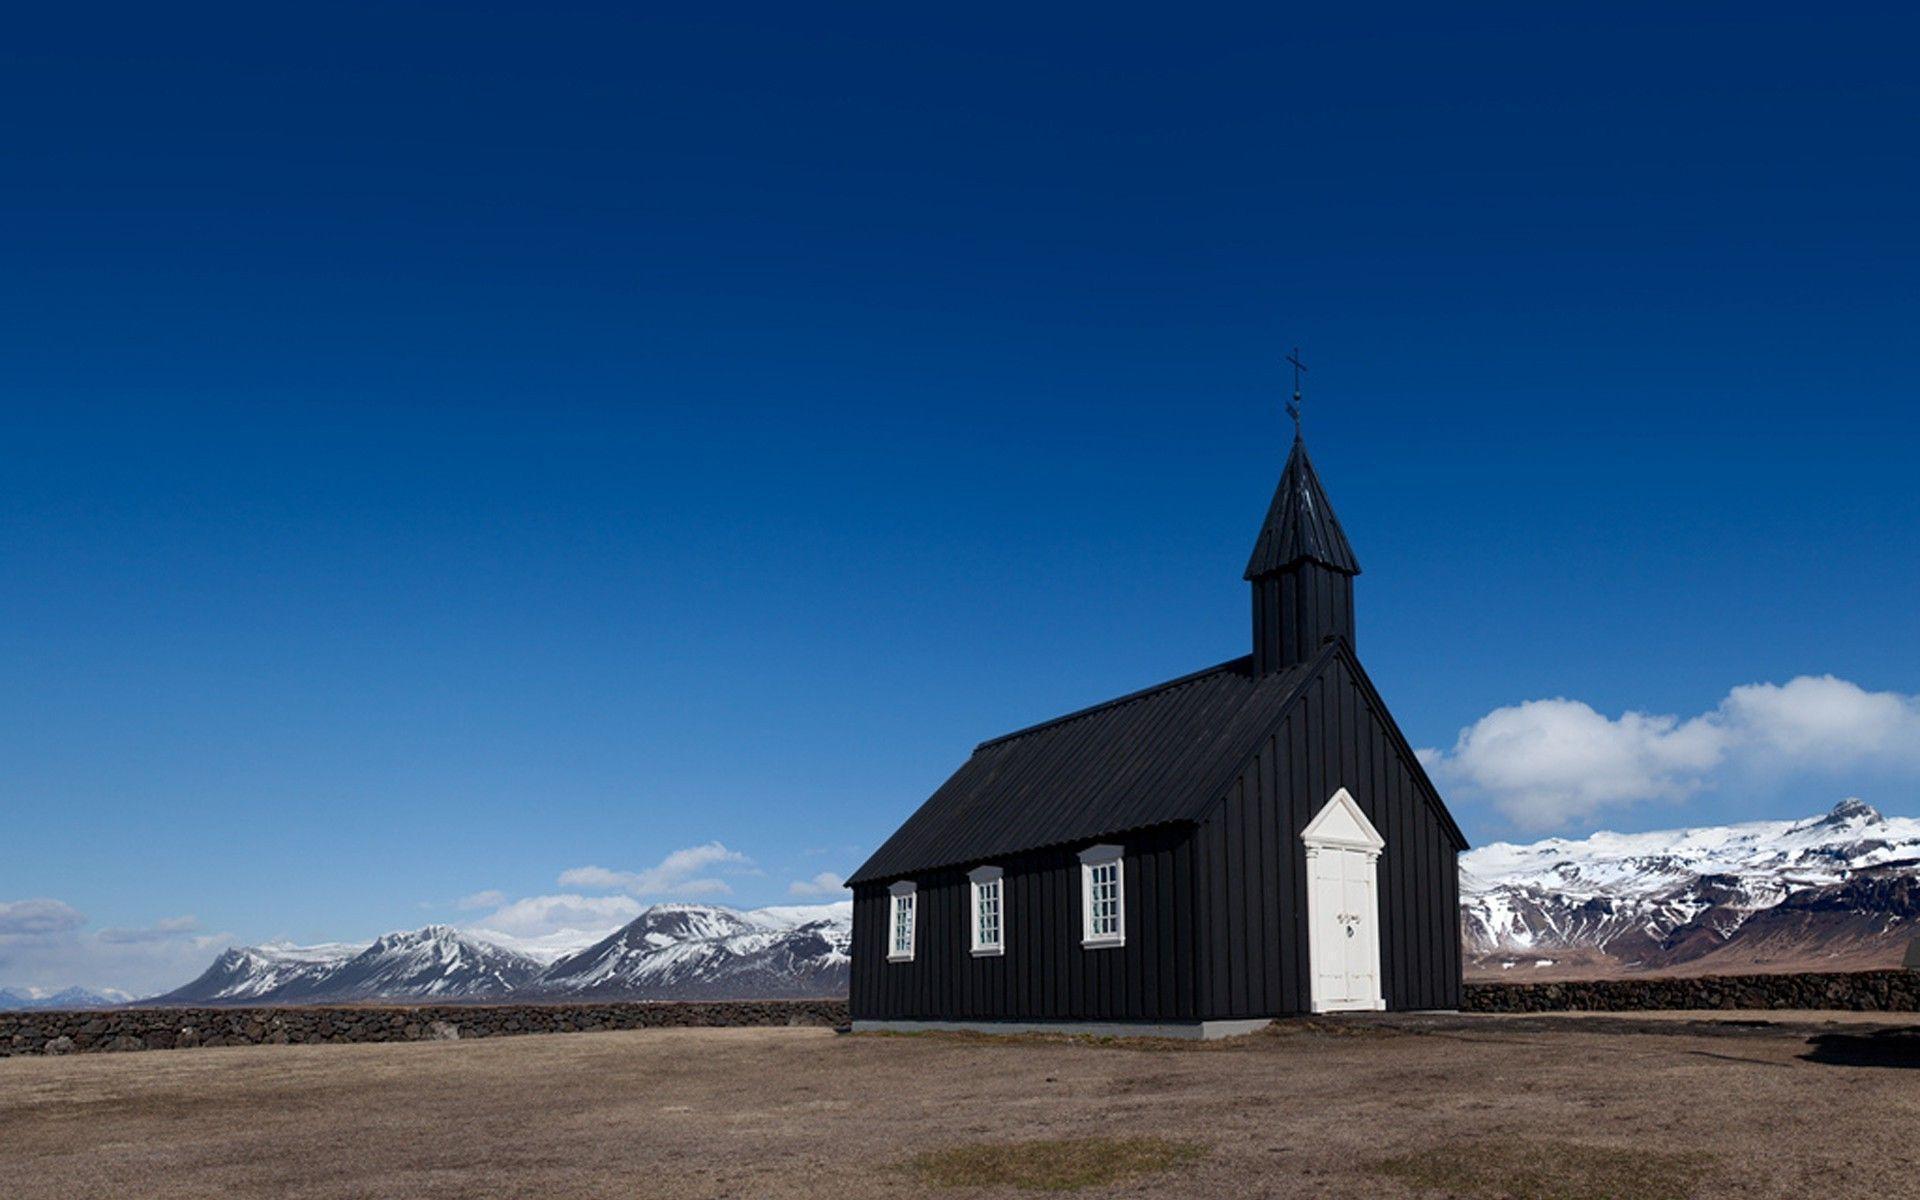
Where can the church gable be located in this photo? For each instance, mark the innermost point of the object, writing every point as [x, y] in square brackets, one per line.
[1342, 702]
[1336, 738]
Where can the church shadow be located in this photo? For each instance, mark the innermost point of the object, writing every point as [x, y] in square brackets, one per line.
[1878, 1048]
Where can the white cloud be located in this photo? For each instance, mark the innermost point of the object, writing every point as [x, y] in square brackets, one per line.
[45, 944]
[159, 931]
[1552, 763]
[826, 883]
[693, 871]
[538, 916]
[568, 920]
[32, 918]
[1548, 762]
[1822, 721]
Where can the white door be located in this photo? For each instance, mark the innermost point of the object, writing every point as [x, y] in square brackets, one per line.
[1346, 937]
[1343, 907]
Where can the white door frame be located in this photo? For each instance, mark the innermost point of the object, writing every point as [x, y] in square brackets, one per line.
[1341, 828]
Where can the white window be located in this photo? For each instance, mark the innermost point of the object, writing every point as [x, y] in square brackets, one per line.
[1102, 897]
[900, 920]
[989, 911]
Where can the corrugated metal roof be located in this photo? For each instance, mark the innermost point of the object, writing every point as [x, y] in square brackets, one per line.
[1300, 524]
[1151, 758]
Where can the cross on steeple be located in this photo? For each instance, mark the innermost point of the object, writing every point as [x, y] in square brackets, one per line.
[1293, 406]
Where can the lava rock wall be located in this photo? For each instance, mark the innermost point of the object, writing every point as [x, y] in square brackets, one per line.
[46, 1032]
[1854, 991]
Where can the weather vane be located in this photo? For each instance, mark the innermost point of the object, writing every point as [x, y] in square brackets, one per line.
[1293, 406]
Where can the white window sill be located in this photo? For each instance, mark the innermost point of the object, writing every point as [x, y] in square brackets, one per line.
[899, 958]
[989, 951]
[1102, 943]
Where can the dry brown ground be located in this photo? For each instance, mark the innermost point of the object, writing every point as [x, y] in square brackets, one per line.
[1351, 1110]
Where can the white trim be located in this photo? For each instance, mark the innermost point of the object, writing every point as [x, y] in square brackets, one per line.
[1340, 829]
[1341, 823]
[1091, 859]
[902, 895]
[976, 879]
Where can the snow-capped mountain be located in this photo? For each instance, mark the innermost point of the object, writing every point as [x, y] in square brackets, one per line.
[669, 952]
[67, 998]
[435, 962]
[276, 971]
[697, 951]
[432, 963]
[1836, 891]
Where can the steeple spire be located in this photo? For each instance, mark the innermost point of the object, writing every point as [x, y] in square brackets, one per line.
[1301, 570]
[1300, 523]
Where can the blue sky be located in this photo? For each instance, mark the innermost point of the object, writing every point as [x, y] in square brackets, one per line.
[446, 450]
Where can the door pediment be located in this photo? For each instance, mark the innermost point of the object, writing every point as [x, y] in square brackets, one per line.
[1341, 823]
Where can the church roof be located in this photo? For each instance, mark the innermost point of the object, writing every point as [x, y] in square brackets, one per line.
[1155, 757]
[1300, 524]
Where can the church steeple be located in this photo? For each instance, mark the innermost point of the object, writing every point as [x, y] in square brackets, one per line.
[1302, 571]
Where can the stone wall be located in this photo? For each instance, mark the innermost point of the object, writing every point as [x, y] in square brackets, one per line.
[43, 1032]
[1857, 991]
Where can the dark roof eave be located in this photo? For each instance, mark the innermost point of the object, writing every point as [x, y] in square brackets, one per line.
[1251, 574]
[1091, 839]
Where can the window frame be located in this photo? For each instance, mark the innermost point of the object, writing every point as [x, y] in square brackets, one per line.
[1092, 858]
[903, 894]
[977, 879]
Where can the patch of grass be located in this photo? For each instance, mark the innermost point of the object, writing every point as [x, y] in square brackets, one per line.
[1062, 1165]
[1549, 1171]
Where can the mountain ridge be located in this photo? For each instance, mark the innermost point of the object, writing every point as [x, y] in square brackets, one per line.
[671, 951]
[15, 999]
[1836, 891]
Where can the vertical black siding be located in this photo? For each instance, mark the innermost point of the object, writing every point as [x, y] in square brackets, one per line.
[1295, 611]
[1257, 885]
[1045, 973]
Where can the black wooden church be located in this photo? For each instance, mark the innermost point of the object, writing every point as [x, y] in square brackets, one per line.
[1251, 840]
